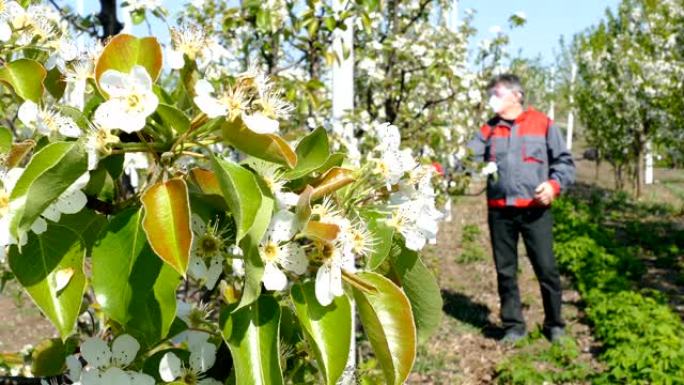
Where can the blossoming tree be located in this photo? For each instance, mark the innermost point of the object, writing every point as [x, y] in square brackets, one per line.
[171, 234]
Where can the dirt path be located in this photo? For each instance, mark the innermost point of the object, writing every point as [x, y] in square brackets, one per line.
[465, 349]
[20, 322]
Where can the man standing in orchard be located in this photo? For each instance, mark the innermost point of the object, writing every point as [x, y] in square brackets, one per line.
[530, 166]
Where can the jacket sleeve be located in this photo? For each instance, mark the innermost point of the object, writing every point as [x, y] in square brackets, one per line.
[478, 144]
[561, 165]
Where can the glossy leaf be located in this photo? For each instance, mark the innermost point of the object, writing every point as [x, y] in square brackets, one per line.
[312, 153]
[131, 284]
[167, 222]
[268, 147]
[18, 152]
[206, 180]
[48, 358]
[304, 207]
[321, 231]
[252, 335]
[422, 290]
[328, 328]
[49, 173]
[241, 192]
[6, 140]
[173, 117]
[254, 265]
[86, 223]
[26, 77]
[123, 52]
[383, 234]
[331, 181]
[388, 322]
[42, 261]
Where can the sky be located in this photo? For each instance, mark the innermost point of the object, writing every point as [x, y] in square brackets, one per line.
[547, 21]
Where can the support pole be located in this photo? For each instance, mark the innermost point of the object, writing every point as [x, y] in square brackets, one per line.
[571, 112]
[343, 102]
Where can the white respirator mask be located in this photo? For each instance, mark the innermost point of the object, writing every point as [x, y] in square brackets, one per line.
[496, 103]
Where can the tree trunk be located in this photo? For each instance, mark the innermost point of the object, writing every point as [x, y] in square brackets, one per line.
[107, 16]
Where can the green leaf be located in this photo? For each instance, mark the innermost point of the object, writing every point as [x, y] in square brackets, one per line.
[268, 147]
[328, 329]
[252, 335]
[388, 322]
[123, 52]
[87, 224]
[167, 222]
[48, 358]
[49, 173]
[241, 192]
[50, 268]
[26, 77]
[383, 235]
[254, 265]
[131, 284]
[54, 83]
[312, 153]
[6, 140]
[334, 160]
[422, 290]
[173, 117]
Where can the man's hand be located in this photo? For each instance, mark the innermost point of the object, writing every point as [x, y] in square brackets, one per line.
[544, 194]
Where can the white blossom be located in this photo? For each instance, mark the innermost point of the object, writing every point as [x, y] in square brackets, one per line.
[131, 100]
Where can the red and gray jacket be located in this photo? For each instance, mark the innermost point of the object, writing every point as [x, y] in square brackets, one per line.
[527, 153]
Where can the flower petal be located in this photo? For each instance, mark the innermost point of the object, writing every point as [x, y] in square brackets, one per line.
[169, 367]
[210, 106]
[323, 289]
[202, 357]
[175, 59]
[214, 272]
[107, 114]
[115, 376]
[273, 278]
[5, 31]
[197, 269]
[124, 350]
[260, 124]
[72, 203]
[282, 226]
[96, 352]
[141, 78]
[28, 113]
[115, 83]
[140, 378]
[293, 258]
[73, 368]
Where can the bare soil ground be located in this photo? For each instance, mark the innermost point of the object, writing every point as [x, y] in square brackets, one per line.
[465, 350]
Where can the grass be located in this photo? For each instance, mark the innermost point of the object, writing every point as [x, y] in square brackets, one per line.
[537, 361]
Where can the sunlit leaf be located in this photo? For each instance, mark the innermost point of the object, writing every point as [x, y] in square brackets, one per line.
[57, 249]
[328, 328]
[252, 336]
[388, 322]
[167, 222]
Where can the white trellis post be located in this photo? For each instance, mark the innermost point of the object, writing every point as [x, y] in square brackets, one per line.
[126, 20]
[571, 114]
[343, 102]
[648, 177]
[452, 17]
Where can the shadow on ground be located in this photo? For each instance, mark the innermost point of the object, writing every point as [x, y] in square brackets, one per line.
[464, 309]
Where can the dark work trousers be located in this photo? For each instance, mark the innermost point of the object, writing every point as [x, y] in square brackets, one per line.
[535, 225]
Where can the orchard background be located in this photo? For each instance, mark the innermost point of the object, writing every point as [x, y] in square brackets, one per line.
[217, 192]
